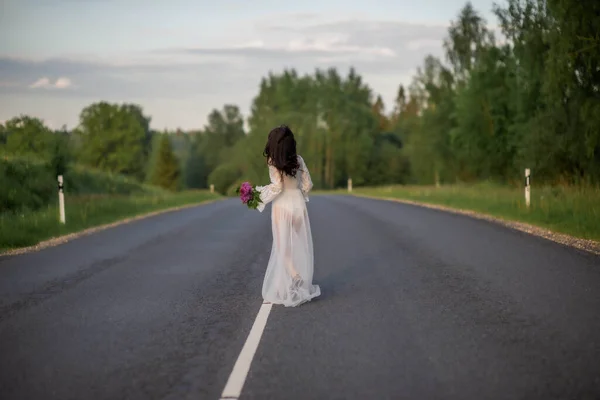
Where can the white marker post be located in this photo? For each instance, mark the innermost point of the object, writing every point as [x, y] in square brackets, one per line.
[212, 188]
[61, 199]
[349, 185]
[527, 187]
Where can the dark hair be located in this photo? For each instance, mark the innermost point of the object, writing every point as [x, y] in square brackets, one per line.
[280, 150]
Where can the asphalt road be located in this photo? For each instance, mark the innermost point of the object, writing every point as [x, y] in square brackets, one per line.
[416, 304]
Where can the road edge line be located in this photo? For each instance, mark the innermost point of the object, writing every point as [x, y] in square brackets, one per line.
[587, 245]
[58, 240]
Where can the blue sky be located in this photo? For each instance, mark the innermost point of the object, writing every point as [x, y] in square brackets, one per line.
[179, 59]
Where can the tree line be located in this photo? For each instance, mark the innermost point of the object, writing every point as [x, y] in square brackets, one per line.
[490, 108]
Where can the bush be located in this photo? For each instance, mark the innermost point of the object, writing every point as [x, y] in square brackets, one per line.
[83, 180]
[60, 155]
[25, 184]
[223, 177]
[233, 187]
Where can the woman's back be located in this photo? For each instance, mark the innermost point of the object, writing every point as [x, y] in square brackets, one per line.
[294, 182]
[290, 183]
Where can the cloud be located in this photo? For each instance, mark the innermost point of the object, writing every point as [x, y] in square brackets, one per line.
[62, 83]
[45, 83]
[73, 67]
[373, 47]
[126, 78]
[302, 48]
[305, 43]
[418, 44]
[363, 31]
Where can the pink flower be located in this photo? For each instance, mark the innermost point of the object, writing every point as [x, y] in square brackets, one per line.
[246, 192]
[246, 188]
[249, 195]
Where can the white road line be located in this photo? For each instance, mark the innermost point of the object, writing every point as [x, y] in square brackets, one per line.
[235, 383]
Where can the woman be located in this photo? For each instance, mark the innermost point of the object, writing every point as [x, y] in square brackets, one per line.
[288, 279]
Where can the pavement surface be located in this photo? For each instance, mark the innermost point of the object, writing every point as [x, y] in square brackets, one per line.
[416, 304]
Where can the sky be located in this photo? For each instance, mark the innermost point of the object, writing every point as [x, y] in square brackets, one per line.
[180, 59]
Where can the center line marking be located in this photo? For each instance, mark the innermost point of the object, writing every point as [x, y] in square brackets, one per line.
[235, 383]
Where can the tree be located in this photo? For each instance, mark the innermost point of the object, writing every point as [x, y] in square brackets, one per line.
[196, 171]
[25, 135]
[3, 135]
[332, 118]
[431, 111]
[114, 138]
[482, 141]
[466, 39]
[167, 173]
[399, 107]
[61, 154]
[224, 129]
[379, 112]
[572, 86]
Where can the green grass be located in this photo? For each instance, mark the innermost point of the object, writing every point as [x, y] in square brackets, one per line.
[573, 211]
[21, 229]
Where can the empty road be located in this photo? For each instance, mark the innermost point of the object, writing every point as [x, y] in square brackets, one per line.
[416, 304]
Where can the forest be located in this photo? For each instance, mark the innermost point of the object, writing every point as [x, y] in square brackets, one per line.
[524, 96]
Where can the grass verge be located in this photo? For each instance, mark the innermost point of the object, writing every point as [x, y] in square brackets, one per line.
[572, 211]
[21, 229]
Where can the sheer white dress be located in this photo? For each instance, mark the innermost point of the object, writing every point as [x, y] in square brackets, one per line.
[289, 275]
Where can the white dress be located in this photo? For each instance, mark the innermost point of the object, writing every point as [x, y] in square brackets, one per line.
[289, 275]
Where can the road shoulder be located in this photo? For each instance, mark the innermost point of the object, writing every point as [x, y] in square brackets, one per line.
[586, 245]
[55, 241]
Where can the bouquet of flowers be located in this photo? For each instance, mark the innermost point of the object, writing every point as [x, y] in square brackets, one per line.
[249, 195]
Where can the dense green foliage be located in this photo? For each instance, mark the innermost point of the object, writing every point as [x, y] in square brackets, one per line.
[25, 184]
[166, 173]
[114, 138]
[32, 185]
